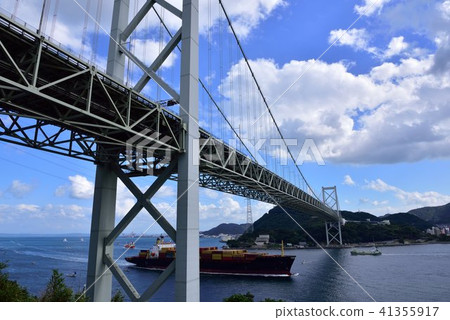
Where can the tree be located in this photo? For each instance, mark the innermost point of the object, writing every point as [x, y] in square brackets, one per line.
[272, 300]
[80, 296]
[56, 290]
[11, 291]
[118, 297]
[248, 297]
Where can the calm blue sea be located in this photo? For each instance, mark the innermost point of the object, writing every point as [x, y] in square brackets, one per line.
[408, 273]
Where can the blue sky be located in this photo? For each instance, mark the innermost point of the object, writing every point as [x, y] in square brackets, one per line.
[376, 104]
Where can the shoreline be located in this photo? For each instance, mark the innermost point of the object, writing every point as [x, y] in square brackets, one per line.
[348, 246]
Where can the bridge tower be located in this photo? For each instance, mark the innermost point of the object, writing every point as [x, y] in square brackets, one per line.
[101, 266]
[53, 101]
[332, 229]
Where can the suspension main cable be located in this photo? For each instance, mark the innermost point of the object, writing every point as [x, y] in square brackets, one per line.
[55, 15]
[262, 95]
[210, 109]
[85, 27]
[98, 17]
[221, 62]
[212, 98]
[16, 8]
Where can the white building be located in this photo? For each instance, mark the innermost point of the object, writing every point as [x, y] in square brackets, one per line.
[262, 239]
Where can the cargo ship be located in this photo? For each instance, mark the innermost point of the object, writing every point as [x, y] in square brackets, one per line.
[218, 261]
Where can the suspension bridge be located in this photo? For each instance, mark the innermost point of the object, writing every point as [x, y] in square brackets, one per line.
[58, 102]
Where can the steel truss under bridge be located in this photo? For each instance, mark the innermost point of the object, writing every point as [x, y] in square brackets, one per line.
[225, 169]
[53, 101]
[56, 102]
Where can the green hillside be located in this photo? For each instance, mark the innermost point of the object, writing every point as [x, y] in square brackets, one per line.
[358, 216]
[227, 228]
[433, 215]
[407, 219]
[295, 226]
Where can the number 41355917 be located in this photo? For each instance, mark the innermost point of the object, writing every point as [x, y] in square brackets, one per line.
[409, 311]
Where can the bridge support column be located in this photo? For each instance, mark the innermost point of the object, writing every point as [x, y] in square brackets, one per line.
[187, 278]
[333, 232]
[116, 59]
[99, 278]
[332, 229]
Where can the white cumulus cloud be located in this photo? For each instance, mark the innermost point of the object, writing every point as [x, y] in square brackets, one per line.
[28, 207]
[396, 46]
[355, 38]
[81, 187]
[359, 39]
[369, 7]
[348, 180]
[19, 189]
[147, 50]
[223, 210]
[212, 194]
[396, 112]
[411, 199]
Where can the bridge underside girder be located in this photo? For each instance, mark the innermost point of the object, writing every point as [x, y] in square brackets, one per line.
[41, 81]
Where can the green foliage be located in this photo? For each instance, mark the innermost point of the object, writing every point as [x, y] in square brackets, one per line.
[11, 291]
[358, 215]
[248, 297]
[444, 238]
[272, 300]
[280, 227]
[80, 297]
[408, 219]
[434, 215]
[56, 290]
[356, 233]
[244, 241]
[227, 228]
[118, 297]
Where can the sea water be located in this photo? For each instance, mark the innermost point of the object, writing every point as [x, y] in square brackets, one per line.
[403, 273]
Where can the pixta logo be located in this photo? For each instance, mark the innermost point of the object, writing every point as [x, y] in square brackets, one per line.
[309, 152]
[144, 148]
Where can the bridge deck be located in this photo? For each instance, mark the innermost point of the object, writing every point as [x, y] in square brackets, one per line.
[56, 102]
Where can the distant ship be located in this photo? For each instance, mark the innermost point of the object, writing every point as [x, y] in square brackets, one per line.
[218, 261]
[375, 252]
[130, 245]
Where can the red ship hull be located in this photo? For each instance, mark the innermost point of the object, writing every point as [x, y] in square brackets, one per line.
[219, 262]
